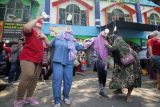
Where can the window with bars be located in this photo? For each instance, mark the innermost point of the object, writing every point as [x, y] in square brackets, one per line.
[14, 11]
[118, 14]
[78, 16]
[154, 19]
[2, 12]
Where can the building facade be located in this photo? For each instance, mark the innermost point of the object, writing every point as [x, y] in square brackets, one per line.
[14, 13]
[88, 17]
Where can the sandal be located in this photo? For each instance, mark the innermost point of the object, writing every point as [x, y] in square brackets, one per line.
[129, 100]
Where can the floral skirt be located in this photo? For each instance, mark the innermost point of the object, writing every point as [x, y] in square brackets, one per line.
[125, 77]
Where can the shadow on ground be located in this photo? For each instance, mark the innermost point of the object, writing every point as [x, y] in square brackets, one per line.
[84, 94]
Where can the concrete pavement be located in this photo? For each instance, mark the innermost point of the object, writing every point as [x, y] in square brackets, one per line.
[84, 94]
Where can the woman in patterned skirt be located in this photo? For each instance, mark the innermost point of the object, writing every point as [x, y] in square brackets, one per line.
[124, 76]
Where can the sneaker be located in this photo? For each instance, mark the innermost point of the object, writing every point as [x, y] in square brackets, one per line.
[67, 101]
[103, 95]
[57, 105]
[129, 100]
[6, 78]
[9, 84]
[19, 103]
[32, 101]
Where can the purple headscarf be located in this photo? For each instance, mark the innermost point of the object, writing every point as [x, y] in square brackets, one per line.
[71, 44]
[99, 46]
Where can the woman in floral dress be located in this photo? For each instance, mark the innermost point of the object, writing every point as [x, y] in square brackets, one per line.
[124, 76]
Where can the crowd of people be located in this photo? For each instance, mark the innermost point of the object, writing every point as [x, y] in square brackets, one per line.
[31, 58]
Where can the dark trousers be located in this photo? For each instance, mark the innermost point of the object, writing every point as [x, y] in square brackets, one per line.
[14, 72]
[74, 71]
[18, 71]
[8, 64]
[102, 73]
[144, 63]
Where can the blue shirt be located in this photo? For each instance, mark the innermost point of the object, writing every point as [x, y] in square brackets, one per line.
[61, 51]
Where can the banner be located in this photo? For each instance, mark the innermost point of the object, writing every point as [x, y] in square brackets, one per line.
[1, 30]
[57, 30]
[12, 31]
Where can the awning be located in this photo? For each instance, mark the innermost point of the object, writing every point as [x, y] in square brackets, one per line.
[91, 31]
[131, 25]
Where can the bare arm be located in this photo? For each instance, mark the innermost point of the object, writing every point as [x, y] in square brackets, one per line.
[28, 26]
[107, 44]
[150, 51]
[45, 39]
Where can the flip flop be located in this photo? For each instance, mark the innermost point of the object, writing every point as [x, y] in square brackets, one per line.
[129, 100]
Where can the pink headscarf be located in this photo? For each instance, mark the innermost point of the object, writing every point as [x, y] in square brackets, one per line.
[71, 43]
[99, 46]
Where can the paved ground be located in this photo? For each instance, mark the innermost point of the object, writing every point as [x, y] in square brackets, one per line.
[84, 94]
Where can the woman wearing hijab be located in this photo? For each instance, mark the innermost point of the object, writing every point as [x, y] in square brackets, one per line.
[65, 49]
[101, 51]
[124, 76]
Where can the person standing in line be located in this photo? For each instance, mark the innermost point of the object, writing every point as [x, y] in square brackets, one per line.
[65, 49]
[30, 61]
[154, 54]
[101, 51]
